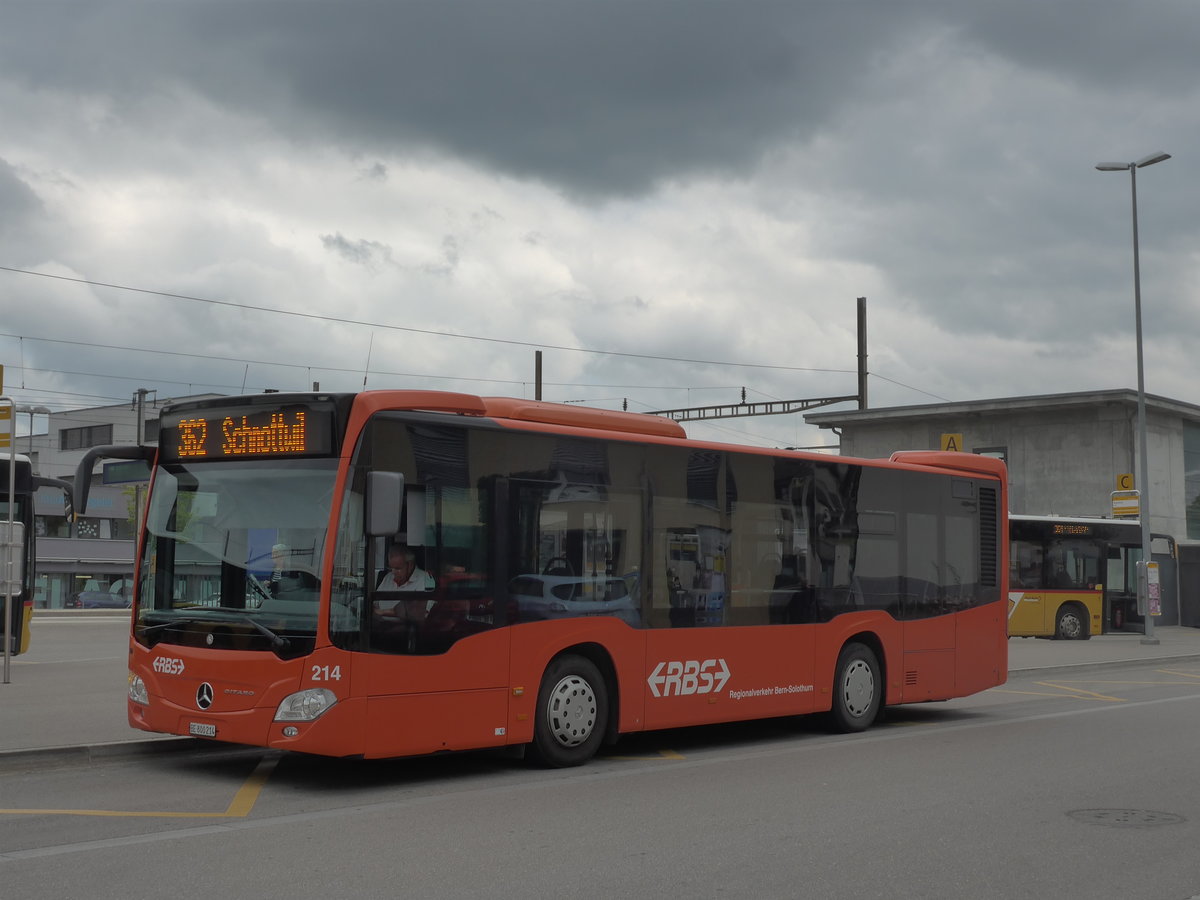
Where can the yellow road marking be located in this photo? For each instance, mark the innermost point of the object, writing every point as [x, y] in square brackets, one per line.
[1081, 693]
[662, 754]
[239, 808]
[1074, 693]
[247, 795]
[1177, 672]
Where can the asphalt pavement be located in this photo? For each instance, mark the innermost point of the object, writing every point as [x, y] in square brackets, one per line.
[66, 698]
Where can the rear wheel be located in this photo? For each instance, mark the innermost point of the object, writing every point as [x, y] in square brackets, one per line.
[572, 713]
[857, 688]
[1071, 624]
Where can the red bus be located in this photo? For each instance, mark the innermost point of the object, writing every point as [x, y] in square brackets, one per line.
[394, 573]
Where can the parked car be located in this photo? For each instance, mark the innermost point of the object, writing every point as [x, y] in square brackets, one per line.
[98, 600]
[561, 597]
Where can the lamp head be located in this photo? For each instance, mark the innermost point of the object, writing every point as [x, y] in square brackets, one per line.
[1152, 159]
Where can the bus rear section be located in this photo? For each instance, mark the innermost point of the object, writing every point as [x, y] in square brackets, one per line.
[400, 573]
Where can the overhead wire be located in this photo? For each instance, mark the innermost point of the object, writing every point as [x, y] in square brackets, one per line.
[405, 328]
[408, 328]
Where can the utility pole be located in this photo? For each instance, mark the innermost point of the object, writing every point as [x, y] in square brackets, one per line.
[862, 352]
[139, 403]
[139, 400]
[780, 407]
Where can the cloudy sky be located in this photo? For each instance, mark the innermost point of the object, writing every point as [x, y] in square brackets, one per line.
[674, 201]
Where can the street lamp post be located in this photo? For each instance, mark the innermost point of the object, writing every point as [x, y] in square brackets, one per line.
[1143, 461]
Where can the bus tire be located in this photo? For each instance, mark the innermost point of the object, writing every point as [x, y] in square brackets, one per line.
[572, 713]
[857, 689]
[1071, 623]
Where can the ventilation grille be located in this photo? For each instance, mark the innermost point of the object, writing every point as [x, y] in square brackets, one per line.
[910, 678]
[989, 537]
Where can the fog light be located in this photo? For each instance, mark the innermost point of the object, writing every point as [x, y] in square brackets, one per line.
[291, 731]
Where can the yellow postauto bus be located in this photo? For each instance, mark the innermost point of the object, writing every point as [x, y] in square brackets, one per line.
[1070, 578]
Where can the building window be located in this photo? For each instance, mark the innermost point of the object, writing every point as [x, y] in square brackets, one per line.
[52, 526]
[1000, 453]
[82, 438]
[87, 527]
[1191, 477]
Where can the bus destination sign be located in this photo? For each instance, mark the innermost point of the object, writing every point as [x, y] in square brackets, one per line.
[297, 429]
[1072, 528]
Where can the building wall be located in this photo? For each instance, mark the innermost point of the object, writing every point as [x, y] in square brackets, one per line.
[1064, 462]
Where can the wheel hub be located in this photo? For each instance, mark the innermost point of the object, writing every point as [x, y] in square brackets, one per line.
[571, 713]
[859, 688]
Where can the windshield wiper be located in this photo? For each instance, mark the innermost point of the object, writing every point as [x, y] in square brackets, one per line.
[277, 641]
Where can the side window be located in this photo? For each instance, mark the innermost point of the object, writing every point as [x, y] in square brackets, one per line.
[692, 559]
[692, 549]
[425, 588]
[960, 574]
[922, 572]
[1119, 569]
[1025, 565]
[576, 551]
[877, 580]
[430, 586]
[834, 538]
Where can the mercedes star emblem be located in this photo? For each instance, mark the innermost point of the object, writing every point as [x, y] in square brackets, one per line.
[204, 695]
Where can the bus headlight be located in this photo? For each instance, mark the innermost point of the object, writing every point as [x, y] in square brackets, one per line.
[137, 690]
[305, 706]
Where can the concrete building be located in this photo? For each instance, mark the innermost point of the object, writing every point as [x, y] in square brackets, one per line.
[96, 551]
[1066, 453]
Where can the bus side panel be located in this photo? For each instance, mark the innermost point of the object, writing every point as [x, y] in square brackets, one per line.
[456, 700]
[861, 627]
[535, 644]
[1026, 613]
[1035, 612]
[415, 724]
[928, 667]
[982, 657]
[696, 676]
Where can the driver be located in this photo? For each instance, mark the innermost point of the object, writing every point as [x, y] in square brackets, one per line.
[403, 573]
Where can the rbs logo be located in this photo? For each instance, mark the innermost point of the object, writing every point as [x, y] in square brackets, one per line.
[168, 665]
[688, 677]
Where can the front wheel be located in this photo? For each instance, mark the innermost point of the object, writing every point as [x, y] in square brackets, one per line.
[572, 713]
[857, 689]
[1070, 624]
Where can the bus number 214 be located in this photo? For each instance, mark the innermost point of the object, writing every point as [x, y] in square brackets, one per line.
[326, 673]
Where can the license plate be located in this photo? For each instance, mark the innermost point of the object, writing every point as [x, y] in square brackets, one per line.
[202, 729]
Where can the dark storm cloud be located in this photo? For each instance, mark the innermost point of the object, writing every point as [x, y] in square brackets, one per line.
[608, 96]
[600, 97]
[1116, 45]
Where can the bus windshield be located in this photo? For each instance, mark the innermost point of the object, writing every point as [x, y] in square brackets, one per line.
[236, 542]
